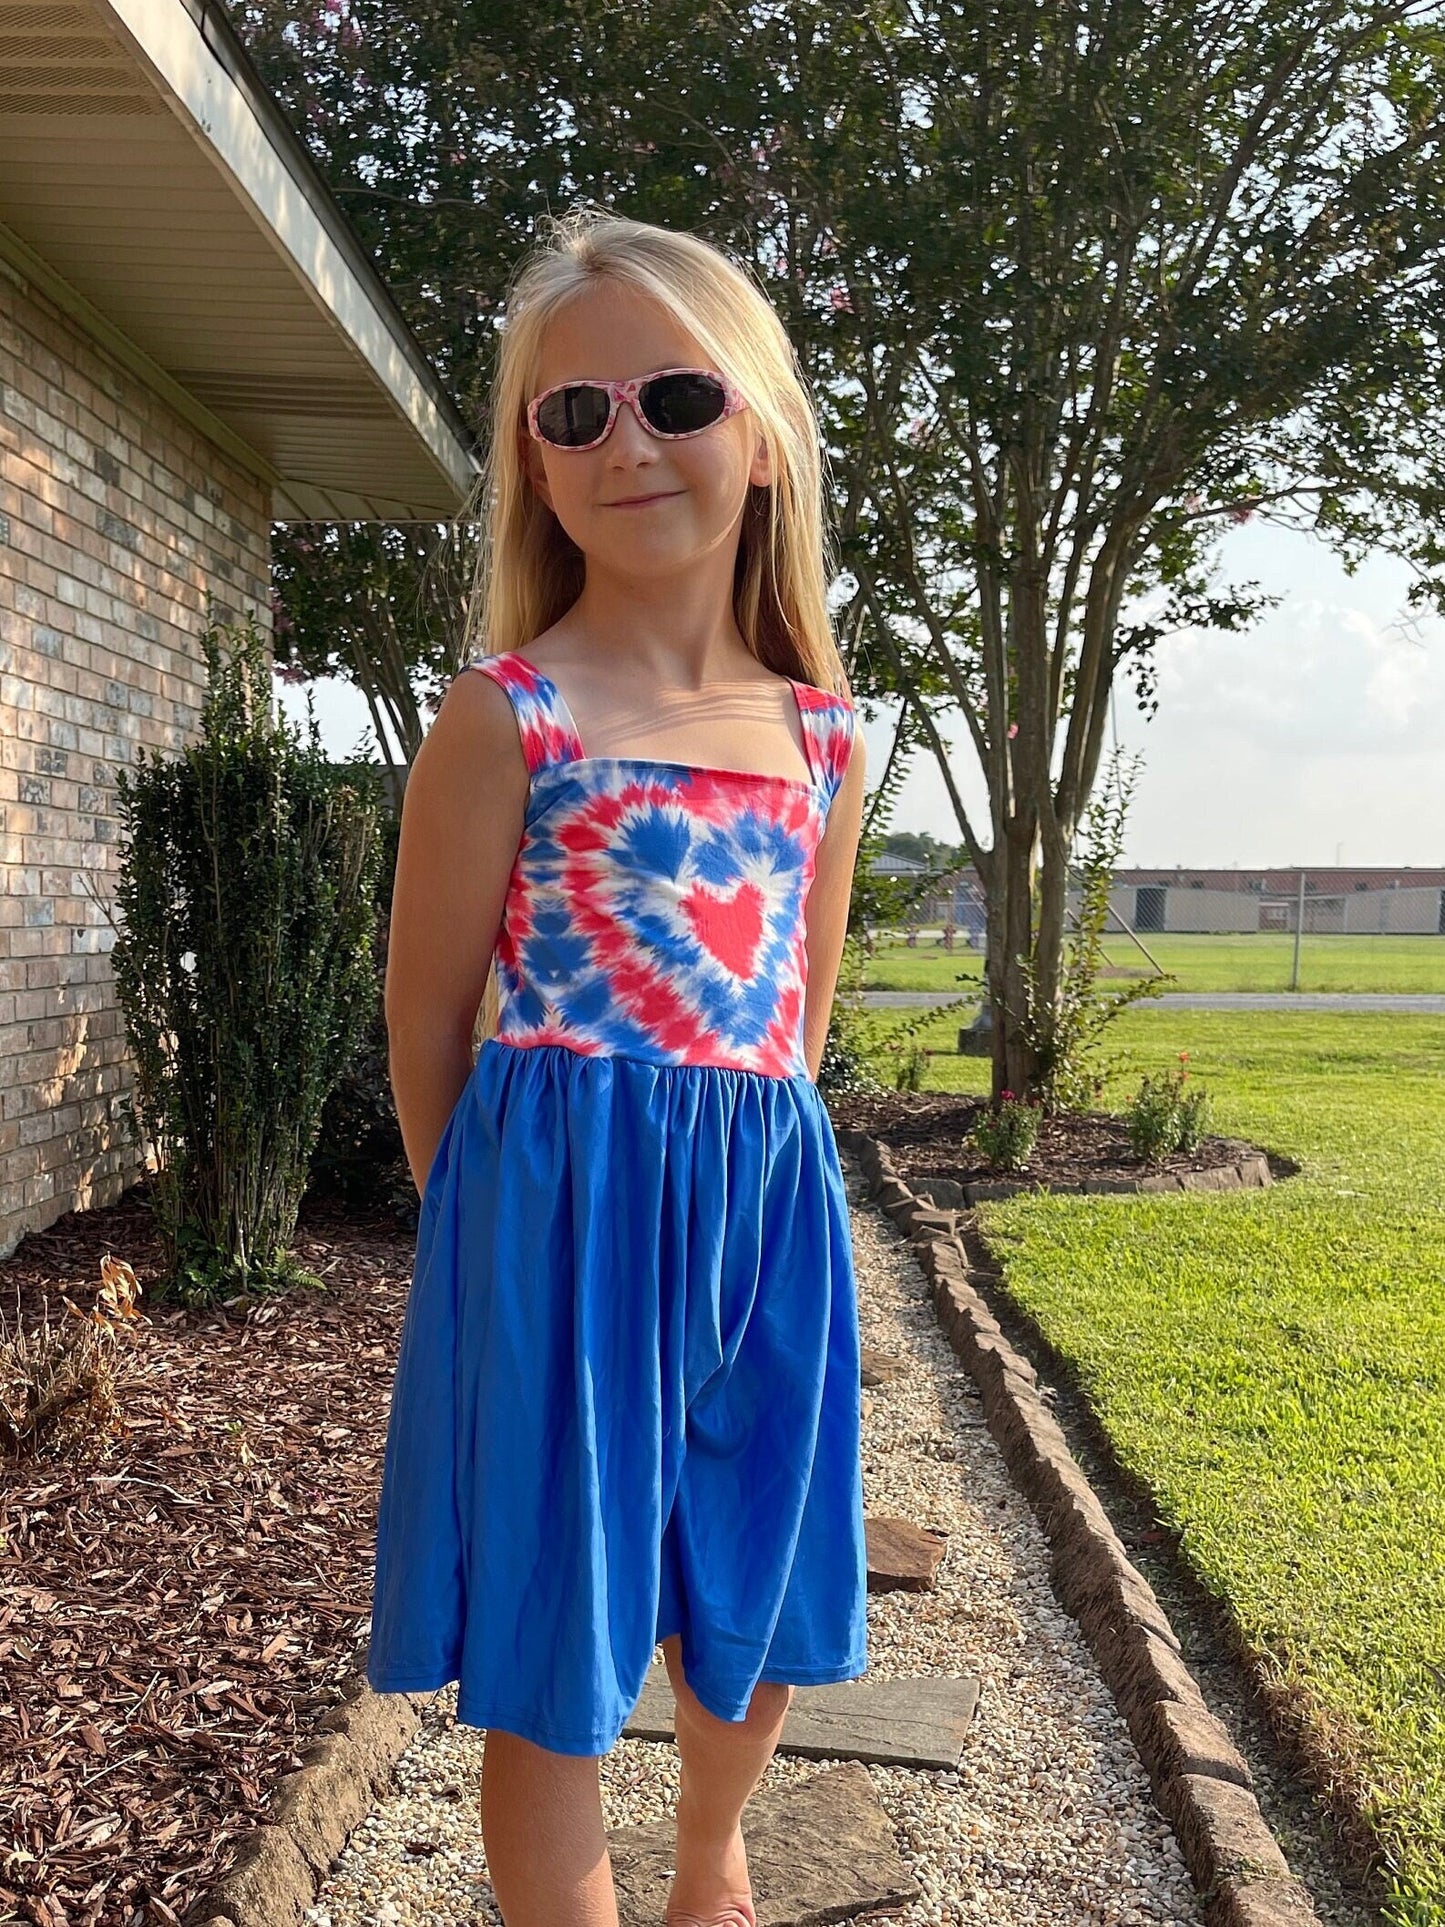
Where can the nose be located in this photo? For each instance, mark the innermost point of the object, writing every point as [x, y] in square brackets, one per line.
[629, 438]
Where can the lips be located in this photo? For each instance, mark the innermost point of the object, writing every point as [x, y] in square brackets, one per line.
[640, 501]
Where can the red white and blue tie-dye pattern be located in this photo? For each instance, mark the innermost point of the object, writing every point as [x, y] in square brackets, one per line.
[655, 909]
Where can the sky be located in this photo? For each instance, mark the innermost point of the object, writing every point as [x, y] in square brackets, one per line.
[1315, 737]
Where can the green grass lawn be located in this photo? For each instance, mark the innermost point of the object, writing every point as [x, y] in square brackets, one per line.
[1273, 1364]
[1258, 962]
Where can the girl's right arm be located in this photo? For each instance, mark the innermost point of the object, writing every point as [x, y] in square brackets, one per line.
[461, 824]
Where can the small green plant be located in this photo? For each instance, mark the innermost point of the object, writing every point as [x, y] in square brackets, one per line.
[910, 1064]
[1065, 1034]
[1164, 1117]
[1006, 1132]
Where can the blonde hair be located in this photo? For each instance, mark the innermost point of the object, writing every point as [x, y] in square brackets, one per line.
[530, 572]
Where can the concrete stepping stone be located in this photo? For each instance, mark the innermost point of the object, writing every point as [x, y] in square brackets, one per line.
[879, 1367]
[902, 1557]
[919, 1722]
[823, 1851]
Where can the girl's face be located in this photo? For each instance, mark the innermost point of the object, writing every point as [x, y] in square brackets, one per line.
[700, 484]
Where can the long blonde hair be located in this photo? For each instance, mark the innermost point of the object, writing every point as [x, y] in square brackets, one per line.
[530, 572]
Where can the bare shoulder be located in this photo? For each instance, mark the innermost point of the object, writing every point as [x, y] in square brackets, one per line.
[474, 725]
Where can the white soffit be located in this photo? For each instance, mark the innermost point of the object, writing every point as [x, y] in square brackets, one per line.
[151, 184]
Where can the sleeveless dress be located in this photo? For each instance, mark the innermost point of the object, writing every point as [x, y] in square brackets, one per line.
[627, 1397]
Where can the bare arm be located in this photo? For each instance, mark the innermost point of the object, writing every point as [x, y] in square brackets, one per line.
[829, 896]
[461, 825]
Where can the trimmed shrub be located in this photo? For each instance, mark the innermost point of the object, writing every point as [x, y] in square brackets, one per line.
[243, 967]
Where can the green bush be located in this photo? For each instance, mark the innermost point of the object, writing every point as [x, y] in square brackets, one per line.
[359, 1156]
[1006, 1133]
[1164, 1118]
[243, 968]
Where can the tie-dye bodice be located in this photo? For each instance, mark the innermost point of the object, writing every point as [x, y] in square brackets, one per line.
[655, 909]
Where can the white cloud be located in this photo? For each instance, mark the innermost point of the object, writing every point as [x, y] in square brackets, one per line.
[1315, 737]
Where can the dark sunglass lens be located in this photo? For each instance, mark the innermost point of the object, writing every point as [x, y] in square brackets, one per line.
[681, 404]
[573, 416]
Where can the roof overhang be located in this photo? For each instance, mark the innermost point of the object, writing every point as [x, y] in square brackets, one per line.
[151, 185]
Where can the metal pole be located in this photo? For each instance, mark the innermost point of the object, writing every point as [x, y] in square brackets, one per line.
[1299, 924]
[1127, 928]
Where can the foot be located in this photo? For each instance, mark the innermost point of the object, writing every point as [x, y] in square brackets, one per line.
[711, 1889]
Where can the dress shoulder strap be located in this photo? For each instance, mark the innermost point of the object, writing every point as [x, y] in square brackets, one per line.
[544, 721]
[828, 725]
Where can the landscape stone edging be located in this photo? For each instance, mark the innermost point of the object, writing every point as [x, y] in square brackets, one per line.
[282, 1865]
[1245, 1172]
[1201, 1781]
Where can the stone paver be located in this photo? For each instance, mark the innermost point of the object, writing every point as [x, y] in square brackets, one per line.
[885, 1722]
[902, 1555]
[818, 1852]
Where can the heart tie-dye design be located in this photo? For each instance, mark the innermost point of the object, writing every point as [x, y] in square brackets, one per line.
[728, 928]
[655, 910]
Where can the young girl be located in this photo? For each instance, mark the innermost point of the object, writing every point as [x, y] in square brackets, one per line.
[626, 1404]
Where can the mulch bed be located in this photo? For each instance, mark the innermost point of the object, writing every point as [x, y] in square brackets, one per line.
[182, 1595]
[927, 1132]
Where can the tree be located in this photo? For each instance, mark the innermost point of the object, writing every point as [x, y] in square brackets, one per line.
[1116, 277]
[380, 603]
[1074, 287]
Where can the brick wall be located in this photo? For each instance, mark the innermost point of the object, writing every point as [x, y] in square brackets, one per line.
[116, 516]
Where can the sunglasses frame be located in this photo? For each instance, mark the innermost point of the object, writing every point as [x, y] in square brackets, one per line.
[629, 391]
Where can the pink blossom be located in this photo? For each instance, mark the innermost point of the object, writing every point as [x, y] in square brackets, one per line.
[1241, 512]
[841, 301]
[1013, 729]
[1193, 502]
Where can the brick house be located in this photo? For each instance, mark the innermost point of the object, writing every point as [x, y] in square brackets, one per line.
[193, 344]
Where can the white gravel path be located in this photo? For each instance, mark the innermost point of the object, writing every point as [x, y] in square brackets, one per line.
[1049, 1820]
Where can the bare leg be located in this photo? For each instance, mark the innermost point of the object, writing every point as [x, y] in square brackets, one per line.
[722, 1762]
[543, 1833]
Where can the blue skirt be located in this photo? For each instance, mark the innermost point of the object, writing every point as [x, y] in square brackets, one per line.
[626, 1401]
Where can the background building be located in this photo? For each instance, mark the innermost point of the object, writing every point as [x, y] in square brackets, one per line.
[1375, 902]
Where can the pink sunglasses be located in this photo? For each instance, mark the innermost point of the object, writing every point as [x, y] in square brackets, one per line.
[671, 404]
